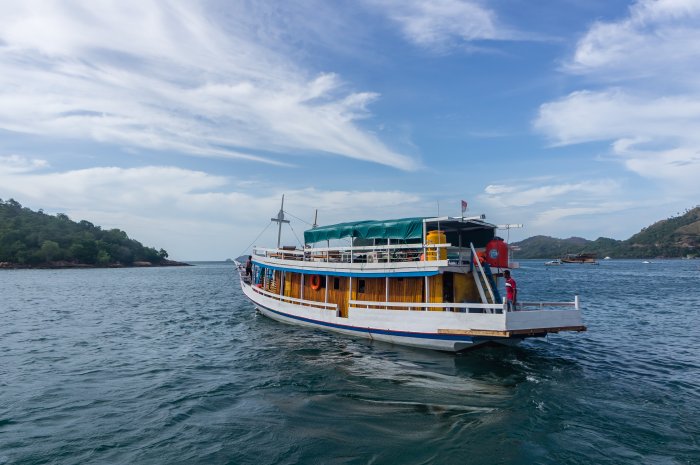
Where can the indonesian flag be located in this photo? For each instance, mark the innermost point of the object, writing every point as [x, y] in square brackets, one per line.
[464, 207]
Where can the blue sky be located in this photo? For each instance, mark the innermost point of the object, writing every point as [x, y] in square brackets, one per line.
[183, 123]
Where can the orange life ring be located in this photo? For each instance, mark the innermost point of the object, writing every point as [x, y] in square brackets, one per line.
[315, 282]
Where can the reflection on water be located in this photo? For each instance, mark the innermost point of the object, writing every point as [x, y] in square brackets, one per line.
[174, 366]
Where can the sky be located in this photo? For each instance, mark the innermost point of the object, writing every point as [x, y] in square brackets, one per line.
[184, 123]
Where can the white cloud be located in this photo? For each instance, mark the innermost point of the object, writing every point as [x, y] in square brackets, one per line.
[557, 208]
[192, 214]
[548, 218]
[643, 93]
[586, 116]
[658, 36]
[443, 22]
[528, 194]
[19, 164]
[173, 76]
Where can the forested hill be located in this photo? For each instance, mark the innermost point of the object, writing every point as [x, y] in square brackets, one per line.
[35, 239]
[674, 237]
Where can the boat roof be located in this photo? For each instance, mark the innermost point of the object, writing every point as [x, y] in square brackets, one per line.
[402, 229]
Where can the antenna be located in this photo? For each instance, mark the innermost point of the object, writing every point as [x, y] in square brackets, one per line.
[508, 227]
[315, 225]
[279, 220]
[438, 215]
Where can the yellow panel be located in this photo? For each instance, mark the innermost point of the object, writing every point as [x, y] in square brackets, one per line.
[435, 283]
[465, 288]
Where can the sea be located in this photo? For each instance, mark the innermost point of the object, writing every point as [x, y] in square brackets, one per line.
[174, 366]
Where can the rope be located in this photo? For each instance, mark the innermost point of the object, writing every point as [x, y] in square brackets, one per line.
[296, 217]
[249, 245]
[295, 235]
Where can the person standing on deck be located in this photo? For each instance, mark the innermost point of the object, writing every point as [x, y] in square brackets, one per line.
[511, 291]
[249, 266]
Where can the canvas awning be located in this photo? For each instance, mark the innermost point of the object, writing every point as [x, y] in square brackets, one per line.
[403, 229]
[457, 230]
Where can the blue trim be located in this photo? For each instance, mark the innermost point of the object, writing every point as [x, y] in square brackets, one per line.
[397, 274]
[441, 337]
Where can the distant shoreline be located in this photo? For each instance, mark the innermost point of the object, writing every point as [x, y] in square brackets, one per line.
[60, 265]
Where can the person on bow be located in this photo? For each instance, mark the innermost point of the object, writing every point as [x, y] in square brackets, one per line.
[249, 266]
[511, 291]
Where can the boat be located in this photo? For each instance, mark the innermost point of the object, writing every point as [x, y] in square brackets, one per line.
[607, 258]
[426, 282]
[553, 262]
[580, 258]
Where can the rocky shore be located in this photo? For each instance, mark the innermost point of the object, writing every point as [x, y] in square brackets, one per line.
[63, 265]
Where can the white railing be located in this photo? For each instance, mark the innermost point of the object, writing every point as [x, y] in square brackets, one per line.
[294, 300]
[425, 306]
[386, 253]
[448, 306]
[542, 305]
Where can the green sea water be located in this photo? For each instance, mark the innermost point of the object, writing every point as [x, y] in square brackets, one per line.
[173, 365]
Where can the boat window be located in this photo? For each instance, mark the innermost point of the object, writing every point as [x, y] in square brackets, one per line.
[336, 283]
[361, 286]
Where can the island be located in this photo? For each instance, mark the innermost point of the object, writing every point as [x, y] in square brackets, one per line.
[674, 237]
[34, 239]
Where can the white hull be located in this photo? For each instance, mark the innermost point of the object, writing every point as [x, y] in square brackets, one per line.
[436, 330]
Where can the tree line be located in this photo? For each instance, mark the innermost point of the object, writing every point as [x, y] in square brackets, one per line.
[673, 237]
[34, 238]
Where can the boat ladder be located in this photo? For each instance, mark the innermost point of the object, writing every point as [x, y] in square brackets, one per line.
[482, 279]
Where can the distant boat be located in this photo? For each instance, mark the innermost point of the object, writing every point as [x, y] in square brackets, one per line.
[580, 258]
[606, 258]
[646, 261]
[553, 262]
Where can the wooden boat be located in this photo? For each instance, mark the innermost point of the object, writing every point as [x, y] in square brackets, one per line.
[581, 258]
[423, 282]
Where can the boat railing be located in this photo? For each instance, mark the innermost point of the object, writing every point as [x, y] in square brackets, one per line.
[526, 306]
[294, 300]
[468, 307]
[364, 254]
[430, 306]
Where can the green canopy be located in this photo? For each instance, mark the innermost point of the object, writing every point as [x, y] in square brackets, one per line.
[404, 228]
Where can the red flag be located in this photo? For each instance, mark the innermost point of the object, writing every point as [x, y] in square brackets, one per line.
[464, 207]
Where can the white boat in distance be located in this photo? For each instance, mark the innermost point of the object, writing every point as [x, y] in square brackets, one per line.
[423, 282]
[553, 262]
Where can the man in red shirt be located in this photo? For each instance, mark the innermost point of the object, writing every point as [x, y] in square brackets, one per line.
[511, 291]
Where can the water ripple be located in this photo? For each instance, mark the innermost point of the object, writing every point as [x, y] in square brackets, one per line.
[174, 366]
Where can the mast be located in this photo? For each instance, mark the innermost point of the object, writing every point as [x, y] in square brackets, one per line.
[279, 220]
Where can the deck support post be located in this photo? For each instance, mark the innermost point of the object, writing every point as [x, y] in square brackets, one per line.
[386, 287]
[427, 291]
[301, 292]
[326, 298]
[425, 232]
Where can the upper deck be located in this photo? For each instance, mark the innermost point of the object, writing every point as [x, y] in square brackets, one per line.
[404, 247]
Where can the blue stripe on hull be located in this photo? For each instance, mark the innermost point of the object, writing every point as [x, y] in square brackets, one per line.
[369, 331]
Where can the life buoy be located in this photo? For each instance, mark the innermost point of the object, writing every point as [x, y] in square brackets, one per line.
[315, 282]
